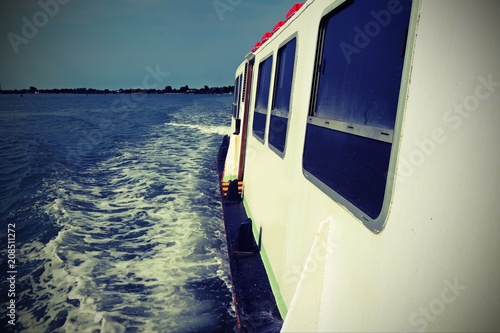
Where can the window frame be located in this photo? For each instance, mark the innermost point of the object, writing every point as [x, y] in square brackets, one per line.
[236, 97]
[273, 111]
[258, 72]
[375, 225]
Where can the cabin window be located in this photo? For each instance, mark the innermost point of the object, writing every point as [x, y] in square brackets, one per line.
[355, 94]
[262, 99]
[236, 97]
[282, 92]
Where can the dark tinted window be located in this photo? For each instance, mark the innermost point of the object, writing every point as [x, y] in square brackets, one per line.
[282, 94]
[262, 99]
[361, 62]
[354, 101]
[236, 97]
[354, 166]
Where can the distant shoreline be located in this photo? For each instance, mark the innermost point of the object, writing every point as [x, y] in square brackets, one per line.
[87, 91]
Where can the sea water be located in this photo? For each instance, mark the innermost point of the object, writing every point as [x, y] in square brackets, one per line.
[112, 205]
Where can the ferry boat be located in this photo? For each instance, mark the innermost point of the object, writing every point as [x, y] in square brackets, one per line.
[360, 187]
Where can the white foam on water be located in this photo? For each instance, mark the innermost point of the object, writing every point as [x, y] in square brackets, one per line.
[205, 129]
[136, 233]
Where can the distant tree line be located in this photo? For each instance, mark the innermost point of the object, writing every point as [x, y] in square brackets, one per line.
[167, 90]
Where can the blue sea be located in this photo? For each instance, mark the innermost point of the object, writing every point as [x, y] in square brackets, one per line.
[112, 204]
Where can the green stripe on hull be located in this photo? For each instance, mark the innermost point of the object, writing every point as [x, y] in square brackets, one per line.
[280, 303]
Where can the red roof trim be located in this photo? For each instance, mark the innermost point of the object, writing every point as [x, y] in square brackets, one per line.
[266, 36]
[278, 25]
[256, 46]
[293, 10]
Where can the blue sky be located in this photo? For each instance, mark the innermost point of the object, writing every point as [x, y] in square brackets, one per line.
[112, 43]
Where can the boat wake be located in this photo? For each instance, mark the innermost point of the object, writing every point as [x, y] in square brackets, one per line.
[139, 246]
[205, 129]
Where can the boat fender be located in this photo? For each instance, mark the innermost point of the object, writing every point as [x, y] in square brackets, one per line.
[232, 197]
[244, 241]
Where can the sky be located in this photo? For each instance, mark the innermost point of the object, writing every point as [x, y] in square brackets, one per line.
[113, 44]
